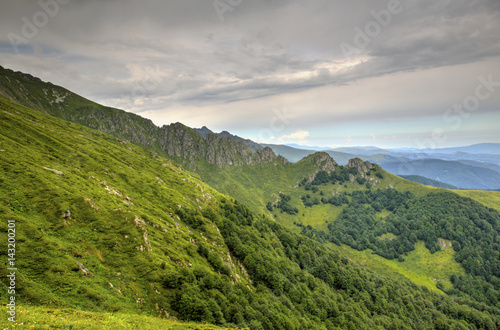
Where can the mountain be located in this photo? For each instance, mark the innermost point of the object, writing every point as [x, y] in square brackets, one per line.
[493, 167]
[462, 170]
[428, 182]
[277, 258]
[367, 151]
[482, 158]
[204, 131]
[298, 146]
[378, 219]
[292, 154]
[102, 225]
[342, 158]
[176, 141]
[481, 148]
[450, 172]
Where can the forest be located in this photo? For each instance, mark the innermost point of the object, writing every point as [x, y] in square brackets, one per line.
[473, 229]
[301, 284]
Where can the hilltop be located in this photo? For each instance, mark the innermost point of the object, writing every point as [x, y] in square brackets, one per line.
[105, 224]
[176, 141]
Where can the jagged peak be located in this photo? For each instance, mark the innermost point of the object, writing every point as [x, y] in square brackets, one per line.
[267, 155]
[204, 131]
[322, 160]
[360, 165]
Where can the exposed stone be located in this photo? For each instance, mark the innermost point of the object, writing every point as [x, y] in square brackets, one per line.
[54, 171]
[323, 161]
[361, 166]
[84, 270]
[139, 222]
[66, 215]
[183, 144]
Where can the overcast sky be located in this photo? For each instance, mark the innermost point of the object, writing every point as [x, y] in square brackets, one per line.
[409, 73]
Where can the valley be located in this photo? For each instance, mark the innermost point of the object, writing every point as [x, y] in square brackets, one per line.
[178, 227]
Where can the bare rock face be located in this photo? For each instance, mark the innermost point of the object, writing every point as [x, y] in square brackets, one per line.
[267, 155]
[361, 166]
[184, 144]
[323, 161]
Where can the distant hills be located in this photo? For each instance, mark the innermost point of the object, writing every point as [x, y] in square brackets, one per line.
[450, 166]
[480, 148]
[109, 219]
[470, 167]
[450, 172]
[428, 182]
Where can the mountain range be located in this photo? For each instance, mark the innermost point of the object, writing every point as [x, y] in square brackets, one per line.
[473, 169]
[116, 216]
[184, 145]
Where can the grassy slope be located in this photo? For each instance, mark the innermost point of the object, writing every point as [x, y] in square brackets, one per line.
[257, 185]
[46, 318]
[116, 193]
[420, 266]
[488, 198]
[117, 228]
[428, 182]
[254, 185]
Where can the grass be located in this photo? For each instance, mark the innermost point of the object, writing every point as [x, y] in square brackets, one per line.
[260, 184]
[488, 198]
[420, 266]
[122, 227]
[32, 317]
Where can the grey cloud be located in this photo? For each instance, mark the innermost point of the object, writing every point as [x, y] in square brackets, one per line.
[265, 48]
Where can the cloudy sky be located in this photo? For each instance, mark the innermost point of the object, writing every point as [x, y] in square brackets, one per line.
[408, 73]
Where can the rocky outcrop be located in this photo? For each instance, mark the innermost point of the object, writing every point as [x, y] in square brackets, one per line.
[205, 131]
[322, 161]
[361, 166]
[185, 145]
[182, 142]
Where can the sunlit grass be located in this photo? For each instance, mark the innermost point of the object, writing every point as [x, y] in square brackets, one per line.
[487, 198]
[31, 317]
[420, 266]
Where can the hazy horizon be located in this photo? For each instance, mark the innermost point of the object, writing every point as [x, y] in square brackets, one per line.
[390, 73]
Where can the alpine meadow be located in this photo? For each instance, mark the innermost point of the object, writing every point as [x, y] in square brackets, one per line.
[357, 185]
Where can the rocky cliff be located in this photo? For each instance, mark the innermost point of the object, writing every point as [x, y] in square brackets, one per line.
[177, 141]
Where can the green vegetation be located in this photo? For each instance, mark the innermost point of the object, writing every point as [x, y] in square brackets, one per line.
[487, 198]
[32, 317]
[176, 141]
[472, 228]
[420, 266]
[283, 204]
[110, 233]
[428, 182]
[157, 241]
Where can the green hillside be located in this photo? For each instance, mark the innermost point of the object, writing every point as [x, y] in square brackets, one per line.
[428, 182]
[176, 141]
[455, 173]
[103, 226]
[360, 210]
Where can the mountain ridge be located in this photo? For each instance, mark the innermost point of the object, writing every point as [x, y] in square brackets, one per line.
[176, 141]
[446, 172]
[103, 225]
